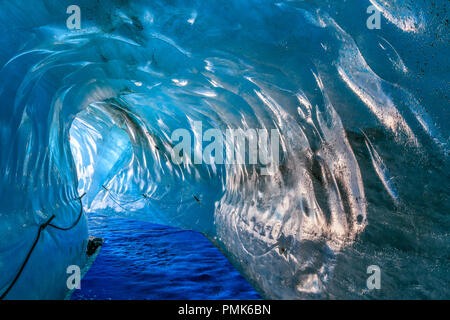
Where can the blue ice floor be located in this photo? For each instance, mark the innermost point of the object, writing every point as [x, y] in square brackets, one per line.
[141, 260]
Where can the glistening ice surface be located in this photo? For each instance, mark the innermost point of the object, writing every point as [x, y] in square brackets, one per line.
[362, 116]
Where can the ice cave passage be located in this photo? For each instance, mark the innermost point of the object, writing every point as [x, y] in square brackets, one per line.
[362, 119]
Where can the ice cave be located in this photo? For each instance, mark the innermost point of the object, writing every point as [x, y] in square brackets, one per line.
[87, 118]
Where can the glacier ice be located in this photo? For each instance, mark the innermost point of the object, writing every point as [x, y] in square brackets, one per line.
[92, 111]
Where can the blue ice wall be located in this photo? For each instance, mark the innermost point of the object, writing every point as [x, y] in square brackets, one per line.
[362, 115]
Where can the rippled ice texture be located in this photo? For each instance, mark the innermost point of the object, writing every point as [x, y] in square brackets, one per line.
[362, 115]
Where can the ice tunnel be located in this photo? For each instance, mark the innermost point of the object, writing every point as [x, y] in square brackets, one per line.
[88, 116]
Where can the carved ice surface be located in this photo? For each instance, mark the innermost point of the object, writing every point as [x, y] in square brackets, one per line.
[362, 117]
